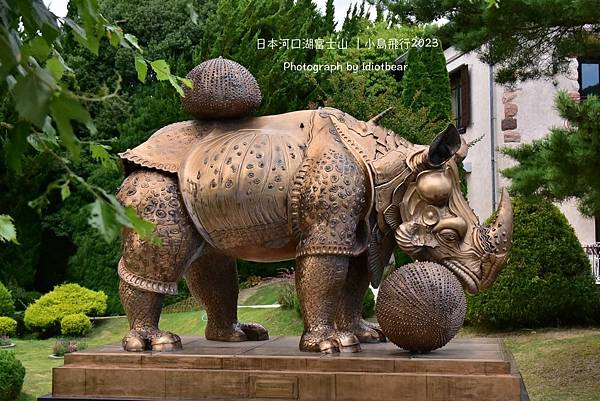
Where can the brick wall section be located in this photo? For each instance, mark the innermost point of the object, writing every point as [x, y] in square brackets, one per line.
[509, 120]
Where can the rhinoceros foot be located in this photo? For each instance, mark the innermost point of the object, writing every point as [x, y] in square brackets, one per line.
[367, 332]
[254, 331]
[329, 341]
[237, 332]
[145, 339]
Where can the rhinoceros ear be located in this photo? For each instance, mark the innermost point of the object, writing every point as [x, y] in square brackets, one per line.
[444, 146]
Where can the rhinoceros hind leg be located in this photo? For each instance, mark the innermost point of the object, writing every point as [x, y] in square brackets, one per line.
[349, 313]
[319, 280]
[212, 279]
[148, 271]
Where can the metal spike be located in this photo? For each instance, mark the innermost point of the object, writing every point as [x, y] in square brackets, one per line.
[380, 115]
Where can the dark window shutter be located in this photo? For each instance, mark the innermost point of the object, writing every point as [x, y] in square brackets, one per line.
[465, 96]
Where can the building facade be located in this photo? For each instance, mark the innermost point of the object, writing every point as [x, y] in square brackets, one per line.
[496, 116]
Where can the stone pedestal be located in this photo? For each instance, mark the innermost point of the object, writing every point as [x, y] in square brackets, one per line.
[473, 369]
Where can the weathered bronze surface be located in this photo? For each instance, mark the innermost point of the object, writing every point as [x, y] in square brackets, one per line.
[335, 193]
[421, 306]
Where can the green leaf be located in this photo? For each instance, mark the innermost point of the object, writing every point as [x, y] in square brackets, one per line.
[186, 82]
[93, 23]
[42, 201]
[45, 140]
[79, 33]
[103, 218]
[56, 67]
[38, 48]
[143, 228]
[175, 84]
[64, 109]
[141, 67]
[100, 154]
[133, 41]
[65, 191]
[10, 55]
[32, 95]
[115, 35]
[162, 70]
[7, 229]
[110, 216]
[37, 17]
[15, 146]
[193, 13]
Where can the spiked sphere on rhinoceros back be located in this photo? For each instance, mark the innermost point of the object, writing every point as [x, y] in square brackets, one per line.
[221, 88]
[421, 306]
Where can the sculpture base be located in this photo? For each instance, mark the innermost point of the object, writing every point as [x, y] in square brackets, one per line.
[464, 370]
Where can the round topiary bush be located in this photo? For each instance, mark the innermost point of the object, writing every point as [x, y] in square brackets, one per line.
[547, 279]
[7, 305]
[45, 314]
[12, 374]
[75, 325]
[8, 326]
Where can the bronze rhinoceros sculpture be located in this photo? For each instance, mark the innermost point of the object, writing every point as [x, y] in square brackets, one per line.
[319, 186]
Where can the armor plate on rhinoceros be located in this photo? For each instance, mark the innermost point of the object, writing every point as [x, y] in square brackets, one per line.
[168, 147]
[236, 183]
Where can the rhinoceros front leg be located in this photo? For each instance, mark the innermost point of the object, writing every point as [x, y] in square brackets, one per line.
[213, 280]
[148, 271]
[319, 282]
[349, 313]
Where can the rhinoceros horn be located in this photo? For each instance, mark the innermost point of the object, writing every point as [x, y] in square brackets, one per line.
[499, 234]
[445, 145]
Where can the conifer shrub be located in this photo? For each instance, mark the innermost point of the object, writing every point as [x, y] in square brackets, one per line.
[46, 313]
[425, 83]
[547, 279]
[7, 305]
[12, 374]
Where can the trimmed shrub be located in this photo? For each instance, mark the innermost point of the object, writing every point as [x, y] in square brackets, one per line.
[47, 312]
[75, 325]
[7, 305]
[8, 326]
[12, 374]
[546, 281]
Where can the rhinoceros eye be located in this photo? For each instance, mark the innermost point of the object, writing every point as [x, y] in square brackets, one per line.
[449, 234]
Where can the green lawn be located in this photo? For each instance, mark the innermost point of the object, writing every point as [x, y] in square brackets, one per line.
[559, 365]
[264, 295]
[556, 364]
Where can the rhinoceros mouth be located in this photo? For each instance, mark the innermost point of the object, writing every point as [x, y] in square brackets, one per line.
[467, 278]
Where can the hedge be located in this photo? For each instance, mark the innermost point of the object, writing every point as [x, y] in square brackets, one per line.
[47, 312]
[12, 374]
[547, 279]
